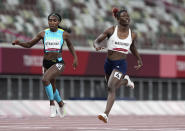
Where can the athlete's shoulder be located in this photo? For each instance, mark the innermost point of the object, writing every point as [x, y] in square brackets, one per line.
[109, 31]
[59, 29]
[133, 34]
[47, 29]
[41, 34]
[66, 35]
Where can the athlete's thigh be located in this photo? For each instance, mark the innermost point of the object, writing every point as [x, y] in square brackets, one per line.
[53, 81]
[115, 78]
[54, 71]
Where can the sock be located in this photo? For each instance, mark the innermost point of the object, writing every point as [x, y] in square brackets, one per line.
[57, 96]
[49, 92]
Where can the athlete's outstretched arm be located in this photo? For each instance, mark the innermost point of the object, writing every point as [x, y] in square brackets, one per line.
[106, 34]
[30, 43]
[135, 52]
[66, 37]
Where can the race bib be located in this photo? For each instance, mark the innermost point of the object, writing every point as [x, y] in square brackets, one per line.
[117, 75]
[59, 66]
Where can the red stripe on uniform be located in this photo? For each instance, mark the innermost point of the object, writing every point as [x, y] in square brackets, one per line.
[52, 49]
[120, 49]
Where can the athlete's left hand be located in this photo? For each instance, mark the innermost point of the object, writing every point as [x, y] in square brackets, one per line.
[100, 48]
[75, 63]
[139, 65]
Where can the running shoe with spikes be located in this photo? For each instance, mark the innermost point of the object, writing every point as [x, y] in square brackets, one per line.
[103, 117]
[53, 112]
[130, 83]
[60, 110]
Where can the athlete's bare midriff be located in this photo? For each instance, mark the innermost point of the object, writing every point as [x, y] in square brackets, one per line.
[51, 55]
[114, 55]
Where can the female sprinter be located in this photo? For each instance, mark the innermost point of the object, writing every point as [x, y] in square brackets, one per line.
[120, 40]
[53, 39]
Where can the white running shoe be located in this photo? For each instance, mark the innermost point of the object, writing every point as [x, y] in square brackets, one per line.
[130, 83]
[53, 111]
[61, 111]
[103, 117]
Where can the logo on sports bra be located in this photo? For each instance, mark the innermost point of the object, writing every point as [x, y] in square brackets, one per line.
[121, 43]
[52, 44]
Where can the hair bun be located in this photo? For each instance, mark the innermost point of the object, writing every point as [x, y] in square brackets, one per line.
[115, 11]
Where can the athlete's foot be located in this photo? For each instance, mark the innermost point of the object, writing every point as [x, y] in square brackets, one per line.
[103, 117]
[60, 110]
[130, 83]
[53, 112]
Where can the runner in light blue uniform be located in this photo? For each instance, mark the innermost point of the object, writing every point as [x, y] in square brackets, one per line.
[53, 64]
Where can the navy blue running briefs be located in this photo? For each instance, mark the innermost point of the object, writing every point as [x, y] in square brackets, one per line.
[120, 65]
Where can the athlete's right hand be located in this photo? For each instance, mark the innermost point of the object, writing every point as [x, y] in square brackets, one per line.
[15, 42]
[97, 47]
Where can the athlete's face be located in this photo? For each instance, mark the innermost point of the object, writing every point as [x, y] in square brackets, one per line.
[53, 22]
[124, 18]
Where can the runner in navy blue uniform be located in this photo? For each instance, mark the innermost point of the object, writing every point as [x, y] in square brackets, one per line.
[120, 40]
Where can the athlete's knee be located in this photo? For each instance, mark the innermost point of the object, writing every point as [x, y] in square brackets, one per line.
[113, 84]
[53, 84]
[45, 81]
[111, 89]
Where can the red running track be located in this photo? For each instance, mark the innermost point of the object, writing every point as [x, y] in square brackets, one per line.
[91, 123]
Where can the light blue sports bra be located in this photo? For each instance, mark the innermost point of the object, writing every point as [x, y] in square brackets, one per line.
[53, 41]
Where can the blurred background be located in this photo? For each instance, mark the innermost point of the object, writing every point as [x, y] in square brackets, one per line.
[159, 25]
